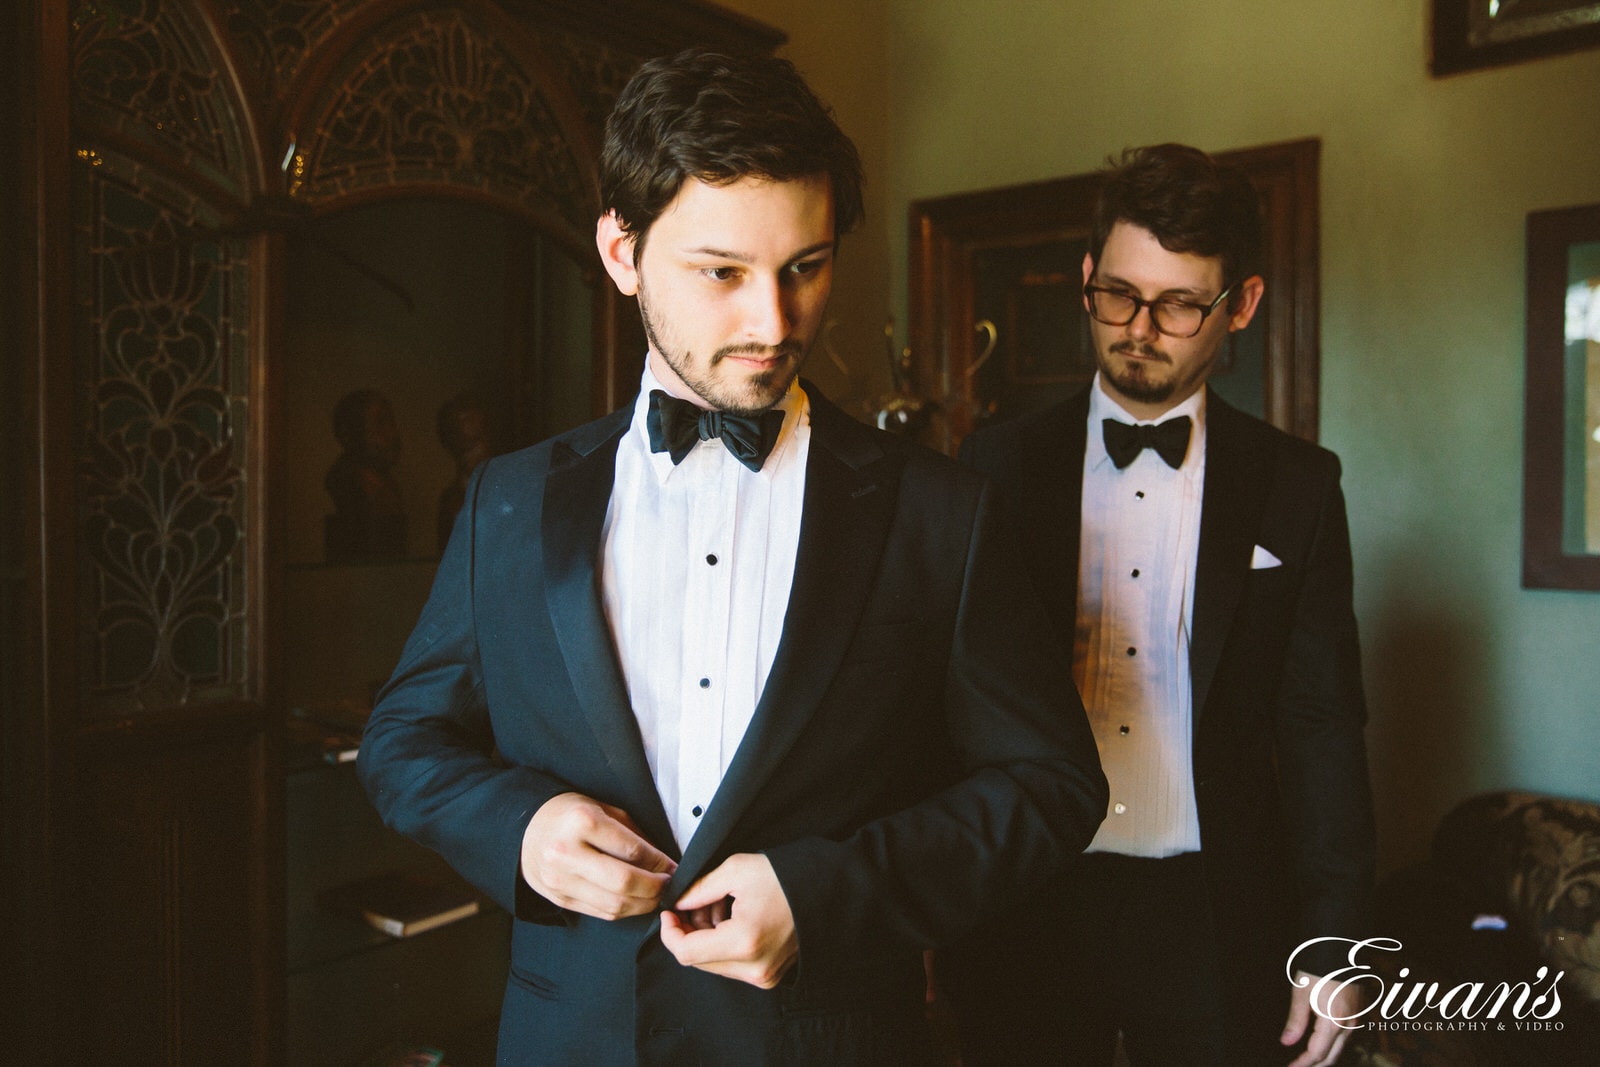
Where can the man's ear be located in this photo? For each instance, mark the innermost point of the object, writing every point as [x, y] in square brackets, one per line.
[616, 253]
[1248, 299]
[1088, 272]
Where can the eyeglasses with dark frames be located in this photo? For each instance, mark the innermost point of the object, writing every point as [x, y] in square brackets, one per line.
[1174, 318]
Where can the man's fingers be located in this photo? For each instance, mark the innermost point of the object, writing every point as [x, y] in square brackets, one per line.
[730, 949]
[588, 857]
[709, 902]
[1336, 1046]
[607, 878]
[1323, 1047]
[713, 887]
[708, 917]
[713, 945]
[622, 839]
[1327, 1038]
[1299, 1010]
[589, 899]
[1295, 1026]
[752, 936]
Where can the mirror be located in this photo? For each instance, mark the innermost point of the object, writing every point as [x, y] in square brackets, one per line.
[1561, 456]
[454, 333]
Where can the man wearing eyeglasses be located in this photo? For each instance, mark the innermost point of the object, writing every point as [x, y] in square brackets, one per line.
[1197, 564]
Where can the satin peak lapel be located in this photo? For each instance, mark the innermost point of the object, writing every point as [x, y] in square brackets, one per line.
[576, 495]
[850, 495]
[1230, 517]
[1060, 500]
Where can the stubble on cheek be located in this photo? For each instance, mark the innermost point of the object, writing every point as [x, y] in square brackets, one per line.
[759, 390]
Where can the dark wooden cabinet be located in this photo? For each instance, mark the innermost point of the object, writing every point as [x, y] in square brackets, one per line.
[352, 989]
[171, 159]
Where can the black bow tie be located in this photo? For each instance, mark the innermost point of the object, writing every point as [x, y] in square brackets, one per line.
[1170, 439]
[676, 426]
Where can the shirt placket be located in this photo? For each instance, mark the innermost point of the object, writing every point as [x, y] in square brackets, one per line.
[1130, 579]
[706, 620]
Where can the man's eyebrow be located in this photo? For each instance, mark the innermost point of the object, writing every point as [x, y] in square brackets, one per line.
[746, 258]
[1177, 290]
[719, 253]
[811, 250]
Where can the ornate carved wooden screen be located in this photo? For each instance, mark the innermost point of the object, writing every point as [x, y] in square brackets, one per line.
[169, 498]
[163, 336]
[167, 422]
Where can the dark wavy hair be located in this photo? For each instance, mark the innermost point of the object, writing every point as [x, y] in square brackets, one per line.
[719, 118]
[1188, 201]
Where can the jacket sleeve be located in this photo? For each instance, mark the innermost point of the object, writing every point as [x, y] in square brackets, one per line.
[1029, 794]
[1322, 762]
[427, 756]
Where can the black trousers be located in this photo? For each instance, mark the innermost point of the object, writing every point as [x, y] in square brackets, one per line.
[1127, 946]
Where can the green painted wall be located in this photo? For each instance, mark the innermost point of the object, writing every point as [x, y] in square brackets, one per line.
[843, 49]
[1474, 683]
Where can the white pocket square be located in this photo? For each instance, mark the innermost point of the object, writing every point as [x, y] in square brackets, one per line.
[1262, 560]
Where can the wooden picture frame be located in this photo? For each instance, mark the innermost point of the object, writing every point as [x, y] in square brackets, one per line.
[1468, 34]
[1561, 451]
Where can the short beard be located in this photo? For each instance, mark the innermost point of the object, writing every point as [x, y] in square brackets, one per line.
[1134, 383]
[768, 387]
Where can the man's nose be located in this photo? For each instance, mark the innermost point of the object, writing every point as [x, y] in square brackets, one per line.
[1143, 326]
[767, 316]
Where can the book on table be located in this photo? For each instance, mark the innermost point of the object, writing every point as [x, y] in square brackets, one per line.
[331, 727]
[403, 904]
[405, 1055]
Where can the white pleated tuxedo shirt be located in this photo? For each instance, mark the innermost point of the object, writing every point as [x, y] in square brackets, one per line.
[1139, 539]
[698, 561]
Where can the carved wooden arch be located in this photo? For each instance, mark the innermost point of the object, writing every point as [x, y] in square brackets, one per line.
[216, 99]
[159, 84]
[493, 122]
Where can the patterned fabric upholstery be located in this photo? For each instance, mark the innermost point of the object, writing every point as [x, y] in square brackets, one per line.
[1542, 855]
[1535, 861]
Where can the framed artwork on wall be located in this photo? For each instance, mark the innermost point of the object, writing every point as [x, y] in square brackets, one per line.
[1468, 34]
[1561, 452]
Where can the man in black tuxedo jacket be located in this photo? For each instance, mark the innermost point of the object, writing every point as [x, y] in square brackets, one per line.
[735, 704]
[1197, 565]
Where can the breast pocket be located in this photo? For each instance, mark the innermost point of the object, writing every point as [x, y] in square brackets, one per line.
[536, 984]
[1271, 586]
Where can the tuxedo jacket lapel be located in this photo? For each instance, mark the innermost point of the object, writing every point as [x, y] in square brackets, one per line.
[849, 503]
[1039, 474]
[1059, 570]
[577, 493]
[1229, 518]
